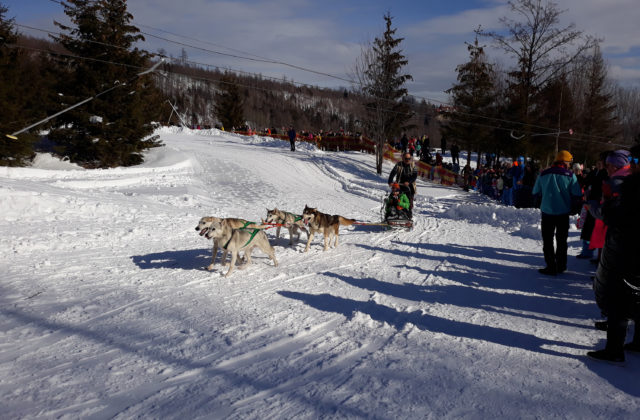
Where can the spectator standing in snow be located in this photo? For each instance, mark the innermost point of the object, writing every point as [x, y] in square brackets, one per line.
[404, 142]
[558, 187]
[526, 186]
[618, 167]
[443, 144]
[292, 138]
[455, 154]
[467, 174]
[517, 172]
[617, 279]
[412, 146]
[507, 190]
[593, 191]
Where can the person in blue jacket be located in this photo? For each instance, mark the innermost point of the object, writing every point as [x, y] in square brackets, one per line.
[559, 187]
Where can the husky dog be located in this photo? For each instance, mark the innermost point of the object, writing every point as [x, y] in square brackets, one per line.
[327, 224]
[205, 224]
[289, 220]
[241, 239]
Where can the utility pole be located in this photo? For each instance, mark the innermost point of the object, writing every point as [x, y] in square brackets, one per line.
[559, 113]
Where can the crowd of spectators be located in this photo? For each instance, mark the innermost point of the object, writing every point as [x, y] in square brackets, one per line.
[509, 182]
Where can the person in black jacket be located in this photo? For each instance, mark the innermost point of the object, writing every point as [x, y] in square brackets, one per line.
[619, 270]
[455, 153]
[404, 142]
[405, 174]
[593, 191]
[292, 138]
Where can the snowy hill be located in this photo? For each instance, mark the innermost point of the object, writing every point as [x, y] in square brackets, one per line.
[107, 310]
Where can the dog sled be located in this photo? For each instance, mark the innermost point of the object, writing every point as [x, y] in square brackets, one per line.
[393, 214]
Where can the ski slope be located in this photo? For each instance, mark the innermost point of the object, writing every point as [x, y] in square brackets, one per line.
[106, 310]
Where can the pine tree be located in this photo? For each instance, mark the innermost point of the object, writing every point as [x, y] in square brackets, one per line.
[473, 99]
[381, 83]
[112, 129]
[598, 120]
[18, 84]
[229, 107]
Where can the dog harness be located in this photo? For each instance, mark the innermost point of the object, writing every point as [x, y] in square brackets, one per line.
[253, 235]
[296, 217]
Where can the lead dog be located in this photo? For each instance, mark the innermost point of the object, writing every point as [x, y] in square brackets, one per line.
[242, 239]
[327, 224]
[205, 224]
[289, 220]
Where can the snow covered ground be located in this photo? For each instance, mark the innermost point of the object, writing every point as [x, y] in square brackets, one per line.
[106, 310]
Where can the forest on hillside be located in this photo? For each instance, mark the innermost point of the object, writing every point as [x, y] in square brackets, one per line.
[87, 87]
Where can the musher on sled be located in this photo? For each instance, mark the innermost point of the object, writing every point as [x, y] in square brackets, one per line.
[404, 173]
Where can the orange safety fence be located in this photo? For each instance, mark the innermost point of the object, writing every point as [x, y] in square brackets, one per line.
[427, 172]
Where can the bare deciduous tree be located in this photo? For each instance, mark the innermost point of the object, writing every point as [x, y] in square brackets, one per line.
[542, 49]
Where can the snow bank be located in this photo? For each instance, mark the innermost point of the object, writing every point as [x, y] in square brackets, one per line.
[524, 223]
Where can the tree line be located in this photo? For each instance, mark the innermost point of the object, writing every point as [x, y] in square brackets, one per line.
[550, 98]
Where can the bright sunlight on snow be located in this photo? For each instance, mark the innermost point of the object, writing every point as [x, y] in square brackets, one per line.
[107, 310]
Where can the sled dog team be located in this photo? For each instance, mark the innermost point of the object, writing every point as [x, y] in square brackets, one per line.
[235, 235]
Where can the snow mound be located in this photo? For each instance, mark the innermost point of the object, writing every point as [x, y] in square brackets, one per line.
[519, 222]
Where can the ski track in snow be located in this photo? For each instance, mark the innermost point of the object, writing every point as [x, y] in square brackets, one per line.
[107, 310]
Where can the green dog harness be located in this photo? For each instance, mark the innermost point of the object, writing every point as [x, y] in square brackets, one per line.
[253, 234]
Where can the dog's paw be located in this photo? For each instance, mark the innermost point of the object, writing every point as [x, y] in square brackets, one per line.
[210, 267]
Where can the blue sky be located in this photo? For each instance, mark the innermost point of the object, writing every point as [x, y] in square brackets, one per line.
[327, 35]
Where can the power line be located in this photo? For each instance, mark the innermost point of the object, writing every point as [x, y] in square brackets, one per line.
[303, 69]
[260, 59]
[205, 79]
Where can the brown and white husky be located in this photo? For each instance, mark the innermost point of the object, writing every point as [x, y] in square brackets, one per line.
[321, 222]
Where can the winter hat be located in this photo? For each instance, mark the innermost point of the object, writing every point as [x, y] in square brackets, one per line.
[395, 187]
[577, 167]
[564, 156]
[619, 158]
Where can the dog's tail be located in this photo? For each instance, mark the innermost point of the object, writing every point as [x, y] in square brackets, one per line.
[345, 222]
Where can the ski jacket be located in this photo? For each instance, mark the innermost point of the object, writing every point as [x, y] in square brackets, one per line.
[610, 190]
[402, 201]
[516, 172]
[619, 261]
[557, 185]
[402, 173]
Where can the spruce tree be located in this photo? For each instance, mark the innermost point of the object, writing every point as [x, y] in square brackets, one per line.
[473, 99]
[598, 121]
[229, 105]
[382, 85]
[113, 128]
[25, 94]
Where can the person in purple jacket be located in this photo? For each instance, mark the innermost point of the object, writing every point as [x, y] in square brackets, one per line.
[558, 186]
